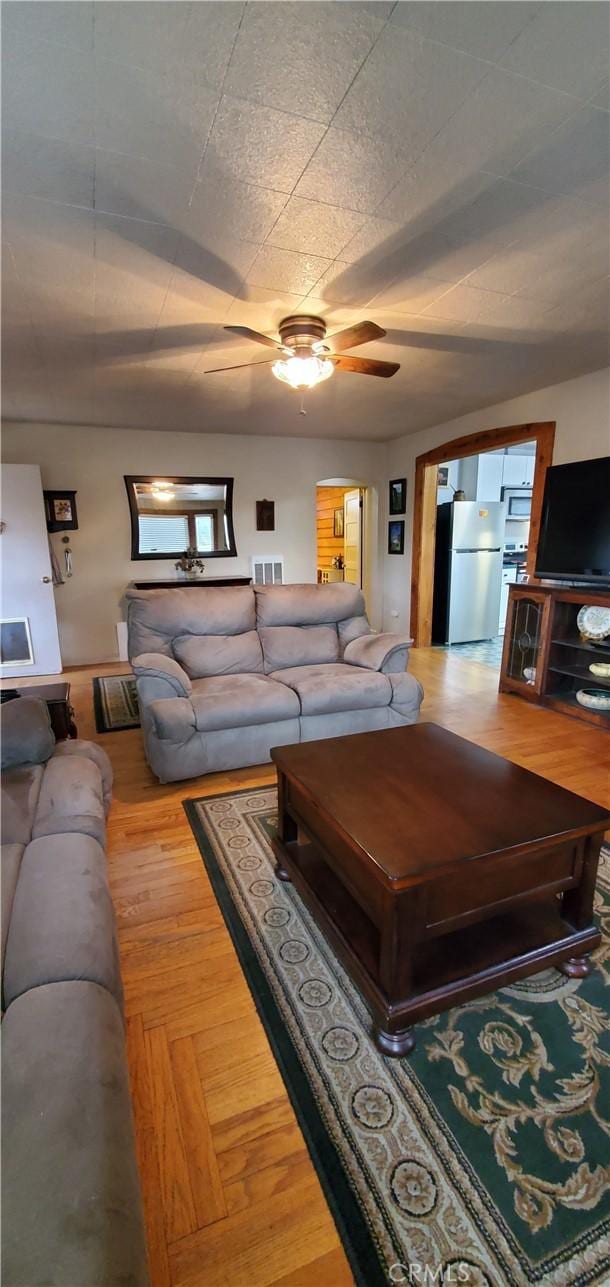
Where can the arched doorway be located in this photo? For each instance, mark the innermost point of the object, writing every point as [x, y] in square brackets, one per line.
[424, 513]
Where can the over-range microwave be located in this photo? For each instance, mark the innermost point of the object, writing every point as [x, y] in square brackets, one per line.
[518, 503]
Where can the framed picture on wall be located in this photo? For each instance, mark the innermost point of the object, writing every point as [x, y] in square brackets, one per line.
[338, 523]
[265, 516]
[442, 479]
[60, 510]
[398, 496]
[396, 536]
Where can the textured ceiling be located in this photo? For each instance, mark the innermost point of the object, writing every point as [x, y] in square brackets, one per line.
[440, 168]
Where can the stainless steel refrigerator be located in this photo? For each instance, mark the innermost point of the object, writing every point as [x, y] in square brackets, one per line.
[468, 570]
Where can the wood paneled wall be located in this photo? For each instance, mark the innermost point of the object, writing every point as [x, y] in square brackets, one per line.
[328, 500]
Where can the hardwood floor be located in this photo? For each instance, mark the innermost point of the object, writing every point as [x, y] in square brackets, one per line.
[229, 1192]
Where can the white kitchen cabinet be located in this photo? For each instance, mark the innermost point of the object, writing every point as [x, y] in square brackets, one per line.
[518, 471]
[489, 477]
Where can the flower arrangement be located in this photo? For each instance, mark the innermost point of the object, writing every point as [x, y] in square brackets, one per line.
[189, 563]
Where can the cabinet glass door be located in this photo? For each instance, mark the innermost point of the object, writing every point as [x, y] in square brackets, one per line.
[525, 630]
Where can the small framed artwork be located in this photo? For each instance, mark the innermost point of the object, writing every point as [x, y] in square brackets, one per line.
[60, 510]
[396, 536]
[442, 478]
[338, 523]
[265, 516]
[398, 495]
[15, 642]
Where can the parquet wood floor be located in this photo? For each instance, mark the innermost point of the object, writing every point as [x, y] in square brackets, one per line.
[230, 1195]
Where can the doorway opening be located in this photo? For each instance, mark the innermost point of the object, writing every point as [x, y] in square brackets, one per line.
[340, 533]
[483, 509]
[468, 508]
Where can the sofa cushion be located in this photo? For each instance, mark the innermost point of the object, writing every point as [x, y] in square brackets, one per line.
[352, 628]
[307, 605]
[10, 862]
[70, 1201]
[205, 655]
[239, 700]
[70, 799]
[27, 736]
[156, 617]
[298, 645]
[325, 689]
[62, 923]
[20, 792]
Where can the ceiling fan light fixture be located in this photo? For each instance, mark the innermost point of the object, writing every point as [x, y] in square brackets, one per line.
[162, 492]
[303, 372]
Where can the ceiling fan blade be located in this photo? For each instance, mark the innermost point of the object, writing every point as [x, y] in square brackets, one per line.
[256, 336]
[240, 366]
[361, 333]
[365, 366]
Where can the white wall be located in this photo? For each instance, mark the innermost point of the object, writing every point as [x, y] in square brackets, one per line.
[93, 461]
[581, 409]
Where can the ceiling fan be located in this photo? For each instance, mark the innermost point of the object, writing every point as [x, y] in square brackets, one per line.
[307, 358]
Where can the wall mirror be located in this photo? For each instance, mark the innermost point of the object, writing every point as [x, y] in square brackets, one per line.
[169, 515]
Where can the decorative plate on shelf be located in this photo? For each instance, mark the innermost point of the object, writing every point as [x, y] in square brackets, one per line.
[596, 699]
[593, 622]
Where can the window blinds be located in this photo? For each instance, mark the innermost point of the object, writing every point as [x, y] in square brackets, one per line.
[163, 533]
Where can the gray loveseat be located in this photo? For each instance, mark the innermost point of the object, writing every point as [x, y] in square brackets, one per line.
[70, 1191]
[225, 674]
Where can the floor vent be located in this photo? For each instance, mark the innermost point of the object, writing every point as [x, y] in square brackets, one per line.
[269, 571]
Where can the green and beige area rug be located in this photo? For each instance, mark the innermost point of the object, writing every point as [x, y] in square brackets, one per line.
[484, 1157]
[115, 703]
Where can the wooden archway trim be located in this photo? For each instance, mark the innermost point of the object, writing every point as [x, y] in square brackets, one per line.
[424, 512]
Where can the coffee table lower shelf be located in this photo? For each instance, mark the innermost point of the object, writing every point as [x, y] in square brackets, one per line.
[447, 969]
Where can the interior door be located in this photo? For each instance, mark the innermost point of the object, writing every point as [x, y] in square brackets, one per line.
[28, 625]
[352, 537]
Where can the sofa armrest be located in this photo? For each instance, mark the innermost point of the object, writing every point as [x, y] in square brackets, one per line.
[173, 719]
[90, 751]
[386, 652]
[154, 665]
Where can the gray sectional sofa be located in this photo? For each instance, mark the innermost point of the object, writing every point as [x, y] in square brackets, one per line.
[70, 1191]
[225, 674]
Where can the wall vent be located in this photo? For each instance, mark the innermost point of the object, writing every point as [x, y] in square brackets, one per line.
[268, 571]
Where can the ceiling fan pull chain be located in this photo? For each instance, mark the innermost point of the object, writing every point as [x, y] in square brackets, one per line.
[302, 411]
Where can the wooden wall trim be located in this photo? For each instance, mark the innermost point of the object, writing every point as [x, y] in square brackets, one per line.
[424, 506]
[486, 440]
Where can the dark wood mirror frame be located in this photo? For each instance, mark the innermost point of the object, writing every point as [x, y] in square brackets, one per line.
[130, 479]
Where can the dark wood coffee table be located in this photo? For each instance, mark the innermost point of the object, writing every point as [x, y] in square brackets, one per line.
[437, 870]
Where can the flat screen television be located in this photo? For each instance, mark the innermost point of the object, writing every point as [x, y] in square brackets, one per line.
[574, 542]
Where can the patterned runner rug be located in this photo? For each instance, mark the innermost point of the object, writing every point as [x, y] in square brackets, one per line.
[483, 1157]
[115, 702]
